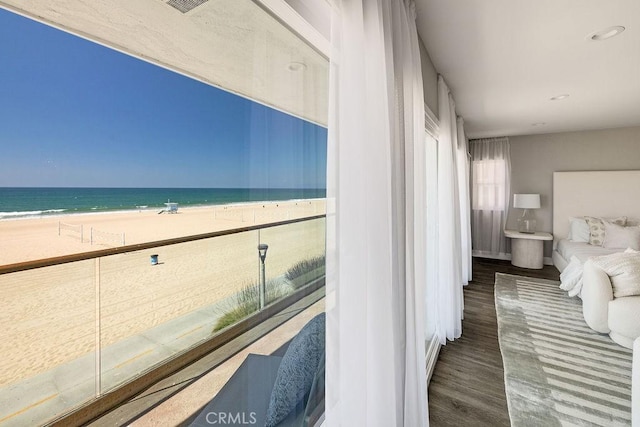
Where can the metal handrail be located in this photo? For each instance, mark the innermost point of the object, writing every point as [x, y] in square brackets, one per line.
[47, 262]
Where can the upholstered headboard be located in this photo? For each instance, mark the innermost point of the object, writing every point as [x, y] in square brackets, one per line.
[594, 193]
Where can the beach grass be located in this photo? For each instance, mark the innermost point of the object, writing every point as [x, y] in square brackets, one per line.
[247, 302]
[305, 271]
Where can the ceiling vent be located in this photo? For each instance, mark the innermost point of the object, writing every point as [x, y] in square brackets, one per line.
[185, 6]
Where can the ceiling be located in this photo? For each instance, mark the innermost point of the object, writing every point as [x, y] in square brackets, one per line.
[232, 44]
[503, 60]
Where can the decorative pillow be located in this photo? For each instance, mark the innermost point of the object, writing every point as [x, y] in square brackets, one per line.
[578, 230]
[297, 370]
[617, 236]
[623, 269]
[596, 228]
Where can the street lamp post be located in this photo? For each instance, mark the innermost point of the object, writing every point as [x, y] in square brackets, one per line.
[262, 253]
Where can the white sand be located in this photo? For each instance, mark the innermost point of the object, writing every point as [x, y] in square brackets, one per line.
[37, 238]
[48, 315]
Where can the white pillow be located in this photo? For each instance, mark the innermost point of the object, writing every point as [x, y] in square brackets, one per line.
[623, 269]
[617, 236]
[578, 230]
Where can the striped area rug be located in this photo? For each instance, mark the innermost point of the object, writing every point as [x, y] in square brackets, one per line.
[558, 372]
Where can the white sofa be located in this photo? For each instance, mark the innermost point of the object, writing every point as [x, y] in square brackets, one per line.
[635, 385]
[618, 317]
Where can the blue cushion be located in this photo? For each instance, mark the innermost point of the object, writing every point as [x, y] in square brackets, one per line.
[245, 396]
[297, 370]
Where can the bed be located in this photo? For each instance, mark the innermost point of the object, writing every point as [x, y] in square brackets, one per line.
[602, 194]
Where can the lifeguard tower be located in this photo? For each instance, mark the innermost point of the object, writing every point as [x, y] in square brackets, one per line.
[170, 207]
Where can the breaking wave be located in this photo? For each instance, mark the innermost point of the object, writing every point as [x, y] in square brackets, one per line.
[25, 214]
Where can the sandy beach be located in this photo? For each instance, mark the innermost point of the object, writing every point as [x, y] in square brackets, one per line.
[49, 316]
[37, 238]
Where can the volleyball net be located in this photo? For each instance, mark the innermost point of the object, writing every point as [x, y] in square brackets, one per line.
[71, 230]
[229, 214]
[98, 237]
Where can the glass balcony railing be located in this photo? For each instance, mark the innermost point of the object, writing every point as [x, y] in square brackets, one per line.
[78, 327]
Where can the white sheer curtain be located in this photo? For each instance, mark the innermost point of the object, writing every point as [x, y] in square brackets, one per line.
[445, 302]
[464, 183]
[375, 322]
[491, 187]
[432, 261]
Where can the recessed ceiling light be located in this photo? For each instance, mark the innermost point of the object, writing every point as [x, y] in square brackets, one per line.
[607, 33]
[559, 97]
[297, 66]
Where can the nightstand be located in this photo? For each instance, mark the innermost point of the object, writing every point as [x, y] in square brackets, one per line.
[527, 248]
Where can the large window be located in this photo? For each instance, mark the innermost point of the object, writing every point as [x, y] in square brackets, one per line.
[488, 185]
[160, 188]
[490, 192]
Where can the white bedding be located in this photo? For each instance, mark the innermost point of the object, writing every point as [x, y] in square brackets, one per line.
[582, 251]
[601, 194]
[571, 277]
[576, 254]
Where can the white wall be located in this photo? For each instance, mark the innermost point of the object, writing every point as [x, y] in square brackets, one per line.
[534, 158]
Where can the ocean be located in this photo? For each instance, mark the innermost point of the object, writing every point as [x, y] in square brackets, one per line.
[22, 202]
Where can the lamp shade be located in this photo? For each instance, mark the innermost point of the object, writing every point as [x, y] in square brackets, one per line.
[526, 201]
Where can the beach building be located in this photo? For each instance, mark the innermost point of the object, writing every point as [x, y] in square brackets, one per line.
[454, 129]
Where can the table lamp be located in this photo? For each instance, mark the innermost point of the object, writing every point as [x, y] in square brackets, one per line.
[527, 222]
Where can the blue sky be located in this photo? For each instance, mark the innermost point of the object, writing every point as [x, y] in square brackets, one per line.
[74, 113]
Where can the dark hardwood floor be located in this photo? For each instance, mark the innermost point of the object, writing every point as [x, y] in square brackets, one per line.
[467, 386]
